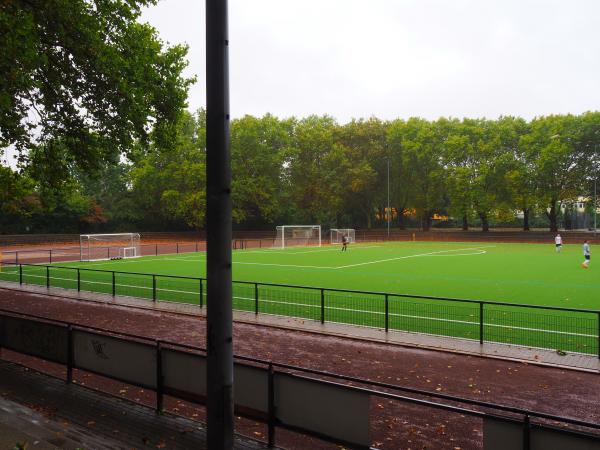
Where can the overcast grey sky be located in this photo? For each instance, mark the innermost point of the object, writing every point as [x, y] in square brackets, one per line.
[399, 58]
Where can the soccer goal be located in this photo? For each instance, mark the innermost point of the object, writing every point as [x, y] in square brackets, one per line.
[98, 247]
[338, 233]
[298, 236]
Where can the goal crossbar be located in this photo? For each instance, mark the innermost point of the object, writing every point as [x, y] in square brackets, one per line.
[297, 236]
[99, 247]
[336, 235]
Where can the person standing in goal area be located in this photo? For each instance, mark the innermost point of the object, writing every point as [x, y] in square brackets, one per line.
[586, 254]
[558, 242]
[344, 243]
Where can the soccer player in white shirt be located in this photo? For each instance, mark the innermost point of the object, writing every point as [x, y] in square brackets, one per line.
[586, 254]
[558, 242]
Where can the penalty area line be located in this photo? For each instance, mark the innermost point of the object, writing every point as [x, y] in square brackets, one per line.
[438, 253]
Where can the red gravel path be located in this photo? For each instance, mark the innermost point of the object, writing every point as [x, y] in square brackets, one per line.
[395, 425]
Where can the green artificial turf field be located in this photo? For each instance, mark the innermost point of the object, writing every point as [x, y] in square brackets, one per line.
[531, 274]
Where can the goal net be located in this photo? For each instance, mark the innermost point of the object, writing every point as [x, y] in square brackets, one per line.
[98, 247]
[298, 236]
[338, 233]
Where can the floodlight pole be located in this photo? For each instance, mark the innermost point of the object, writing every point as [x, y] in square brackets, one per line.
[595, 198]
[389, 212]
[595, 205]
[219, 329]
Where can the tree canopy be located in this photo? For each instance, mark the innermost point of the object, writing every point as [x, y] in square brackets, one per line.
[85, 80]
[94, 104]
[478, 172]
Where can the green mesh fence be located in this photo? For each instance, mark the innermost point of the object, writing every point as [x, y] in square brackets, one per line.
[444, 318]
[304, 303]
[355, 308]
[538, 327]
[9, 273]
[184, 290]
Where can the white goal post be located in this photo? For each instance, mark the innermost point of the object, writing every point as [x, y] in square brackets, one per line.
[336, 235]
[297, 236]
[99, 247]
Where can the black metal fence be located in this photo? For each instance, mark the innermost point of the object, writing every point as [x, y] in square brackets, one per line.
[544, 327]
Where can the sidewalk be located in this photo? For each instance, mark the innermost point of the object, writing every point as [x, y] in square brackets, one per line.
[48, 414]
[575, 361]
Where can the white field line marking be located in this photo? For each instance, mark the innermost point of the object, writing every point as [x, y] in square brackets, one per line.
[288, 251]
[474, 251]
[283, 265]
[414, 256]
[142, 259]
[334, 250]
[255, 263]
[410, 316]
[189, 259]
[194, 258]
[145, 258]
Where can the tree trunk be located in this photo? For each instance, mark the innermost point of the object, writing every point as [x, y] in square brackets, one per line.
[465, 223]
[485, 225]
[401, 224]
[553, 216]
[426, 221]
[525, 219]
[369, 221]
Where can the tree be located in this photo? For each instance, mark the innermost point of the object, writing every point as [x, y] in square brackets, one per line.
[477, 161]
[169, 186]
[401, 188]
[362, 169]
[311, 171]
[422, 148]
[561, 161]
[519, 168]
[18, 200]
[459, 163]
[86, 74]
[110, 189]
[258, 146]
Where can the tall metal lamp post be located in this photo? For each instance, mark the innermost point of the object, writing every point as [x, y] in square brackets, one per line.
[389, 211]
[595, 180]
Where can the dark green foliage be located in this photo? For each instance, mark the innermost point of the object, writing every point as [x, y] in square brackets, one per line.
[84, 80]
[480, 172]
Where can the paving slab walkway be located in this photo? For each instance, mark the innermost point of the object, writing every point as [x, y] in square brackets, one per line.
[519, 353]
[46, 413]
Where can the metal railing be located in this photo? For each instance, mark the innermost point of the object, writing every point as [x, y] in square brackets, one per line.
[544, 327]
[528, 419]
